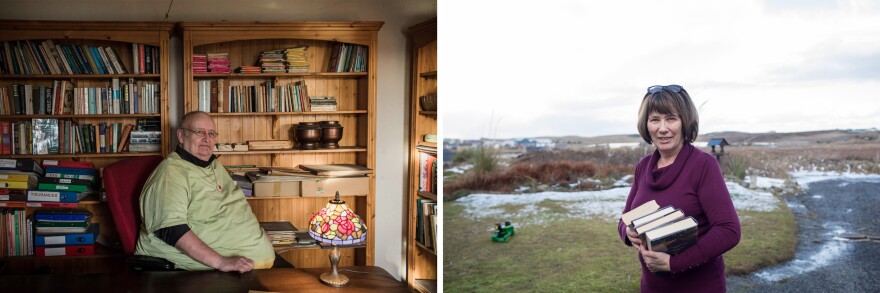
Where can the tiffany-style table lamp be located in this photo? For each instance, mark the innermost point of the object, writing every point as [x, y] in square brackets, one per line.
[335, 225]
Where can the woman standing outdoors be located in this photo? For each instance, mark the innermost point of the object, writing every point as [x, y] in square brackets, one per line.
[689, 179]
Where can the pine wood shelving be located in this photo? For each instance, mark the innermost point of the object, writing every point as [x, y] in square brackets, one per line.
[119, 36]
[421, 259]
[356, 98]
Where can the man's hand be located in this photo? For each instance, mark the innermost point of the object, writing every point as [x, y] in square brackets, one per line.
[655, 261]
[633, 237]
[235, 264]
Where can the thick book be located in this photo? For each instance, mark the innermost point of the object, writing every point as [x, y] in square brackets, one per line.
[636, 223]
[62, 215]
[21, 164]
[85, 238]
[17, 184]
[65, 170]
[669, 218]
[64, 187]
[45, 136]
[54, 180]
[672, 238]
[7, 195]
[69, 250]
[638, 212]
[67, 205]
[55, 196]
[69, 164]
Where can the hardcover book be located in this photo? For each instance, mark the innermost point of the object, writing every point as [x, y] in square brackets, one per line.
[644, 209]
[636, 223]
[672, 238]
[669, 218]
[45, 136]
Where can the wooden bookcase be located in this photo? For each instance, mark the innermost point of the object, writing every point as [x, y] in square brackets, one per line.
[356, 98]
[117, 35]
[421, 259]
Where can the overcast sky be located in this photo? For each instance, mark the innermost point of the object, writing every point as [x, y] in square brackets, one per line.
[552, 68]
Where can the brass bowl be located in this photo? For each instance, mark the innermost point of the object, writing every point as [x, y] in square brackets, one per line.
[331, 134]
[307, 135]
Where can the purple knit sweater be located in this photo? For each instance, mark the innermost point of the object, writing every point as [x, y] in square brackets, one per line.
[693, 183]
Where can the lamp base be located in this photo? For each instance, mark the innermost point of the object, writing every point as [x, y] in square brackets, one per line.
[334, 280]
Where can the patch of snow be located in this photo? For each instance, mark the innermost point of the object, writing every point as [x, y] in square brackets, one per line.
[804, 178]
[623, 182]
[521, 189]
[752, 200]
[818, 196]
[765, 182]
[530, 208]
[459, 169]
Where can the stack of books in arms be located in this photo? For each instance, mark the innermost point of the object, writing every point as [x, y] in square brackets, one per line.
[16, 177]
[64, 232]
[664, 229]
[65, 184]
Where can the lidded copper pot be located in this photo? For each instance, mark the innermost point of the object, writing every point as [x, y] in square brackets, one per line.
[331, 134]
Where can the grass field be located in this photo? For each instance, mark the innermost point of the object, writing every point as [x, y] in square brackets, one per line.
[580, 254]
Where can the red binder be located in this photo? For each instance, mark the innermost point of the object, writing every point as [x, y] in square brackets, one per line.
[70, 250]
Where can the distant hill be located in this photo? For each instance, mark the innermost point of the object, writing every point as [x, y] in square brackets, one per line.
[746, 138]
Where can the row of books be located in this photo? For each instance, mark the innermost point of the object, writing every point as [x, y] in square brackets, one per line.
[665, 229]
[426, 222]
[216, 97]
[427, 172]
[52, 136]
[118, 97]
[16, 233]
[346, 57]
[46, 57]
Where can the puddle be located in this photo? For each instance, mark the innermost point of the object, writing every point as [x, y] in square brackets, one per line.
[809, 256]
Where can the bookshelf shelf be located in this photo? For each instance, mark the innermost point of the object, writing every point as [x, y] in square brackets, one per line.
[80, 116]
[270, 75]
[247, 114]
[84, 155]
[421, 260]
[295, 151]
[354, 93]
[78, 76]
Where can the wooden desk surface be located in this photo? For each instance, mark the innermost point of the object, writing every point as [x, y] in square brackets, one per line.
[363, 279]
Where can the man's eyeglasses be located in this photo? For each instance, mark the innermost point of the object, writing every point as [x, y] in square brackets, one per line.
[202, 133]
[672, 88]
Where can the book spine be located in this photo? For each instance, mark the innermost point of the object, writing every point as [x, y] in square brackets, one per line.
[53, 196]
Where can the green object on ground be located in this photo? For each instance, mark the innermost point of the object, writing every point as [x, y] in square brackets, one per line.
[503, 234]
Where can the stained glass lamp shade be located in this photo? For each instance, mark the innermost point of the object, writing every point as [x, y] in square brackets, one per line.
[337, 224]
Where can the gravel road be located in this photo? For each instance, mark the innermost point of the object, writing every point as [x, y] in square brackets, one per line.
[824, 262]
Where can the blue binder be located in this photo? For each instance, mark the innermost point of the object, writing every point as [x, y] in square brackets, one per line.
[66, 170]
[68, 239]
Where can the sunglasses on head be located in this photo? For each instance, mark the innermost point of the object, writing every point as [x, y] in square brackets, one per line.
[672, 88]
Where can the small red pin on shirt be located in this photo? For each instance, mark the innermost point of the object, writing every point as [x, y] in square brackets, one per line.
[219, 187]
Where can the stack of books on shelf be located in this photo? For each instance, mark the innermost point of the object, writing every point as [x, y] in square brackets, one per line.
[243, 182]
[17, 176]
[200, 63]
[427, 172]
[46, 57]
[296, 60]
[64, 185]
[426, 222]
[145, 141]
[346, 57]
[218, 62]
[64, 233]
[322, 103]
[664, 229]
[281, 233]
[272, 61]
[248, 69]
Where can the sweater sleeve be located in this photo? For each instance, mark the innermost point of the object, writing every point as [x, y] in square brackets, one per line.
[724, 229]
[621, 227]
